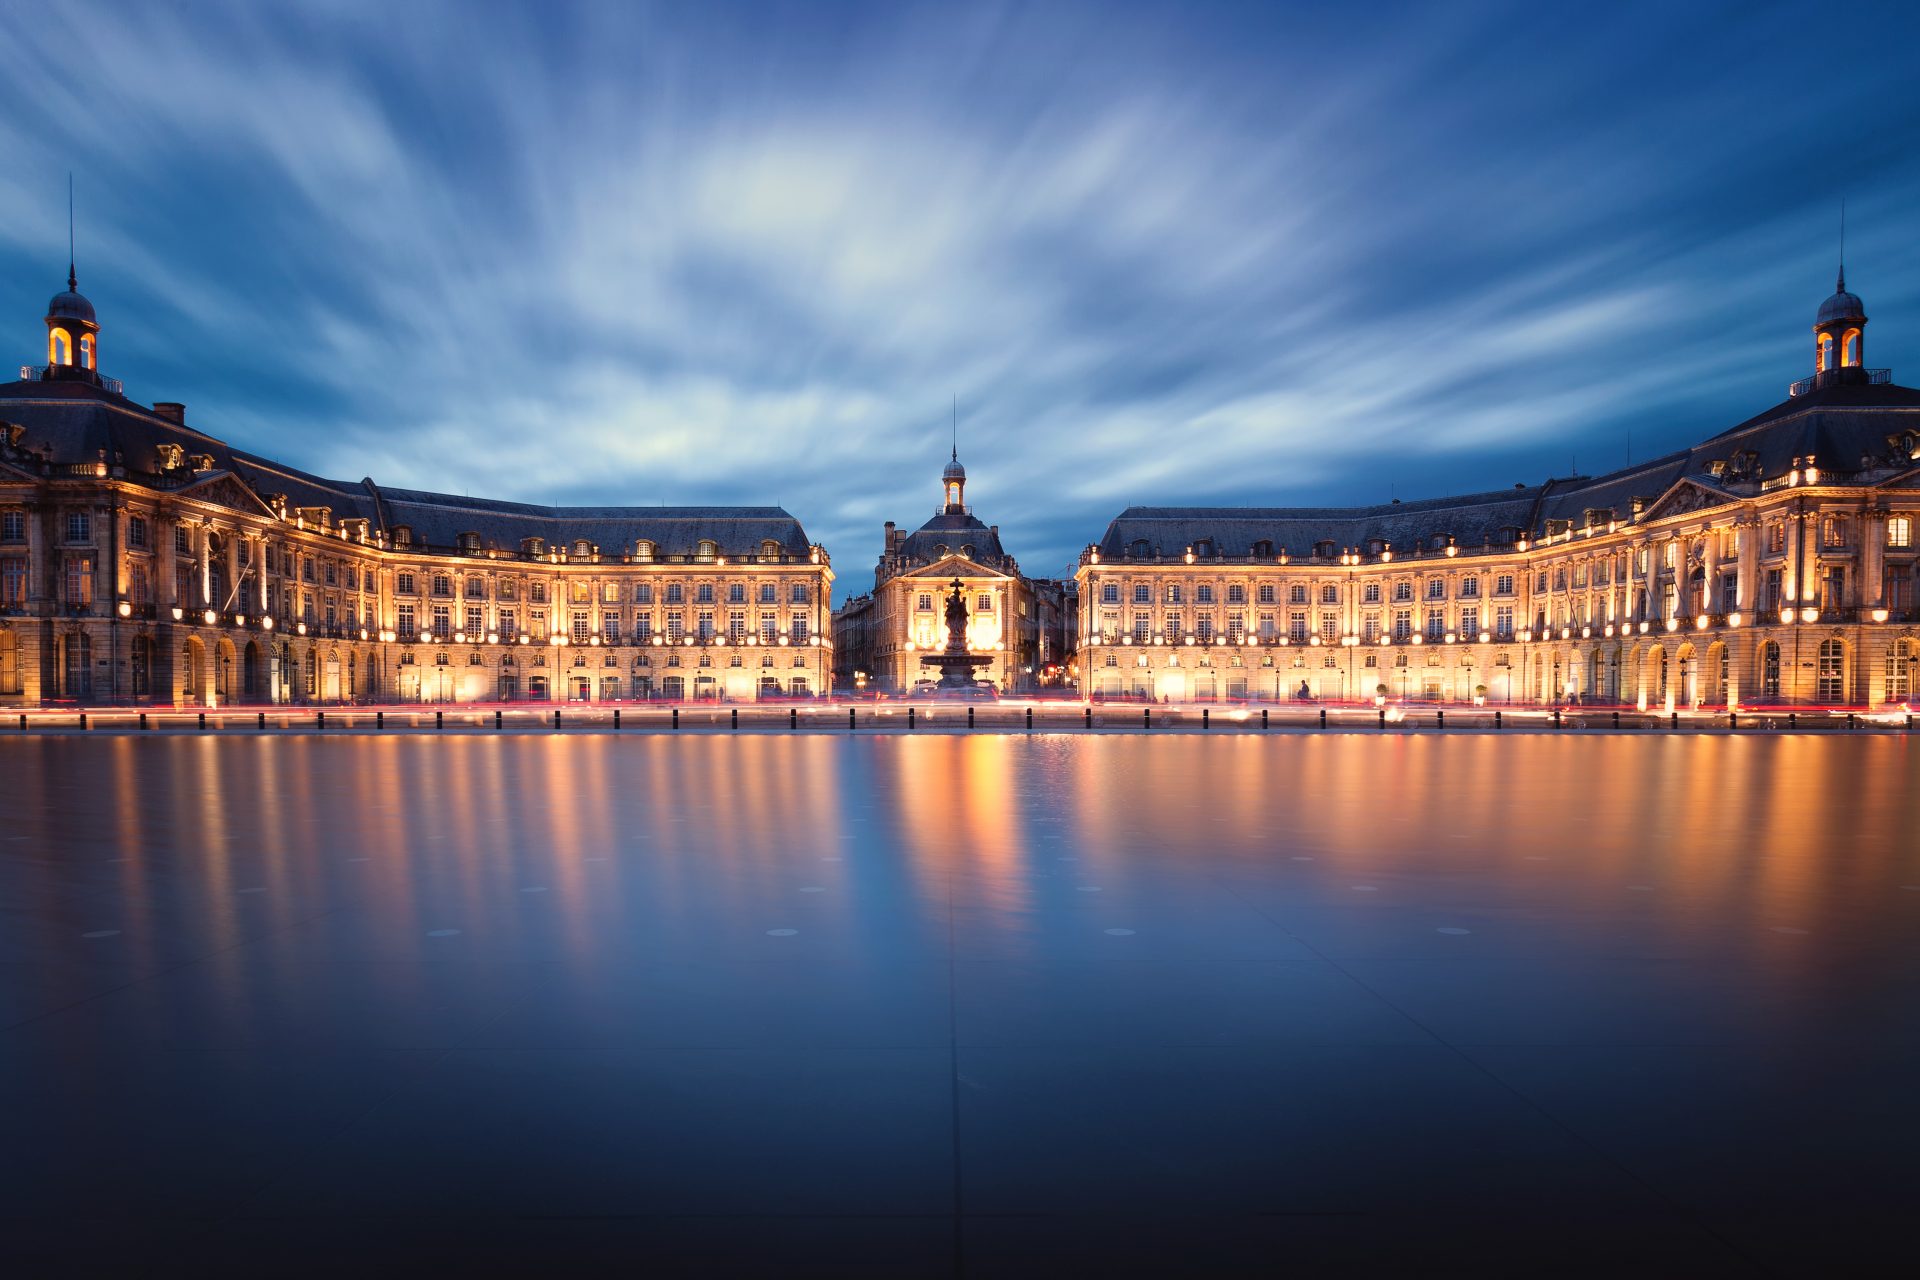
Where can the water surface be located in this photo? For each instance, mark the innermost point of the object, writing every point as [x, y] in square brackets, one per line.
[948, 1004]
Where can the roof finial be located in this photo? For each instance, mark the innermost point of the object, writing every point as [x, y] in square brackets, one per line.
[1841, 285]
[956, 428]
[73, 282]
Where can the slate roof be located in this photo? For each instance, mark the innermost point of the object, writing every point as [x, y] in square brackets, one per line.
[953, 531]
[1846, 429]
[72, 422]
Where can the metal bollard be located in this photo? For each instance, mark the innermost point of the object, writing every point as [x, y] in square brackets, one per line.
[379, 719]
[1496, 720]
[1793, 719]
[909, 717]
[1029, 717]
[1556, 717]
[853, 720]
[733, 718]
[496, 719]
[320, 719]
[1849, 719]
[969, 717]
[1733, 720]
[1323, 718]
[1087, 719]
[1616, 719]
[676, 717]
[261, 721]
[439, 719]
[1263, 718]
[1146, 718]
[143, 721]
[793, 717]
[83, 719]
[1673, 720]
[1206, 717]
[203, 719]
[556, 717]
[1439, 719]
[23, 722]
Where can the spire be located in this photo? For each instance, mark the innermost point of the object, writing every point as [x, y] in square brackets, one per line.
[73, 283]
[1840, 285]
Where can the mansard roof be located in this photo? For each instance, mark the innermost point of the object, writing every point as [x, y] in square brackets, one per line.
[953, 531]
[73, 422]
[1853, 433]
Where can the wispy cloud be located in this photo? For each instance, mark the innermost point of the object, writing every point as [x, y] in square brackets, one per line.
[691, 253]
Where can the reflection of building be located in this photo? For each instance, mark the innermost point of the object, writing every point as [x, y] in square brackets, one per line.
[885, 634]
[1774, 563]
[144, 561]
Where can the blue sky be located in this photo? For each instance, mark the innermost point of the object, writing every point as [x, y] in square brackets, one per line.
[749, 253]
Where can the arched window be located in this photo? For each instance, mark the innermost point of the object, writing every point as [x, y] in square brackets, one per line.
[1823, 353]
[313, 673]
[1770, 671]
[1900, 673]
[643, 550]
[581, 547]
[86, 351]
[708, 549]
[1831, 687]
[1850, 348]
[59, 346]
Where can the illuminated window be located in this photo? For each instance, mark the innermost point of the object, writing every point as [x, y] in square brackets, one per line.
[1823, 354]
[59, 347]
[86, 351]
[1900, 532]
[1850, 349]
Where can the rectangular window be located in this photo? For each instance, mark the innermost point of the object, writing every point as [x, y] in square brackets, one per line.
[1469, 622]
[1109, 593]
[1142, 593]
[1173, 632]
[703, 593]
[705, 625]
[642, 593]
[13, 583]
[1900, 532]
[1329, 628]
[537, 592]
[1174, 594]
[1370, 594]
[13, 526]
[1297, 594]
[476, 622]
[769, 628]
[1503, 585]
[797, 628]
[1436, 624]
[406, 626]
[137, 532]
[580, 631]
[507, 621]
[1436, 588]
[799, 593]
[1297, 626]
[1329, 593]
[1203, 594]
[1402, 624]
[1236, 627]
[1266, 593]
[643, 628]
[676, 627]
[476, 588]
[737, 625]
[442, 622]
[1203, 628]
[78, 590]
[1370, 628]
[1470, 588]
[306, 569]
[676, 592]
[1503, 622]
[403, 583]
[537, 620]
[1236, 593]
[984, 604]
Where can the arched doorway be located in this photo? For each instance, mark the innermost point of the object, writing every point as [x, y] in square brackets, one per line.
[9, 661]
[193, 672]
[1770, 671]
[140, 666]
[224, 674]
[1830, 685]
[77, 665]
[1902, 669]
[250, 687]
[1718, 691]
[1686, 687]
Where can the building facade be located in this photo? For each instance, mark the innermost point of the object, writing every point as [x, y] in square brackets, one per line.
[882, 636]
[1773, 564]
[143, 561]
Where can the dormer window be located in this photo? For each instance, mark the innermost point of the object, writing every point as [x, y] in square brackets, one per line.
[402, 536]
[1138, 549]
[533, 546]
[581, 547]
[1325, 549]
[707, 551]
[470, 543]
[770, 549]
[643, 550]
[1263, 548]
[170, 456]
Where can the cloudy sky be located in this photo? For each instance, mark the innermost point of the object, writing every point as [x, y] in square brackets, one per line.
[751, 253]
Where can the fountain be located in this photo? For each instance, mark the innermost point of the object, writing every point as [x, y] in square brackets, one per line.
[957, 666]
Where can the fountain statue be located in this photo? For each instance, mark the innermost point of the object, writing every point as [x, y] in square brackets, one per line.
[956, 665]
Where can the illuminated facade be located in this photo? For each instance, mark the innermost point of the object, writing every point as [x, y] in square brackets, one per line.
[143, 561]
[1773, 564]
[882, 637]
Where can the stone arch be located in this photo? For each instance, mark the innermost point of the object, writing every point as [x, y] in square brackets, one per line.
[226, 672]
[1900, 675]
[1717, 676]
[1833, 672]
[1684, 679]
[252, 682]
[195, 680]
[9, 661]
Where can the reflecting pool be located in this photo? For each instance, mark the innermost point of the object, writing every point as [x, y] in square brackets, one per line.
[956, 1004]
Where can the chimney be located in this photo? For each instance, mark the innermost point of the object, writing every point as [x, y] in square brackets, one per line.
[172, 411]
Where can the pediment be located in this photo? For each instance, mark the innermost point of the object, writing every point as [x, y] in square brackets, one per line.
[956, 566]
[224, 489]
[1687, 495]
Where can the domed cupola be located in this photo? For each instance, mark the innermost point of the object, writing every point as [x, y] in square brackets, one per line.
[73, 336]
[1839, 352]
[953, 483]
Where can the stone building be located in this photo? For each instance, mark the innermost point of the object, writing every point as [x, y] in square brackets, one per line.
[881, 637]
[145, 561]
[1773, 564]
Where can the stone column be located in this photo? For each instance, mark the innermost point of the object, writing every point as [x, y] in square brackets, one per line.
[163, 589]
[201, 550]
[1747, 594]
[233, 573]
[1871, 592]
[262, 603]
